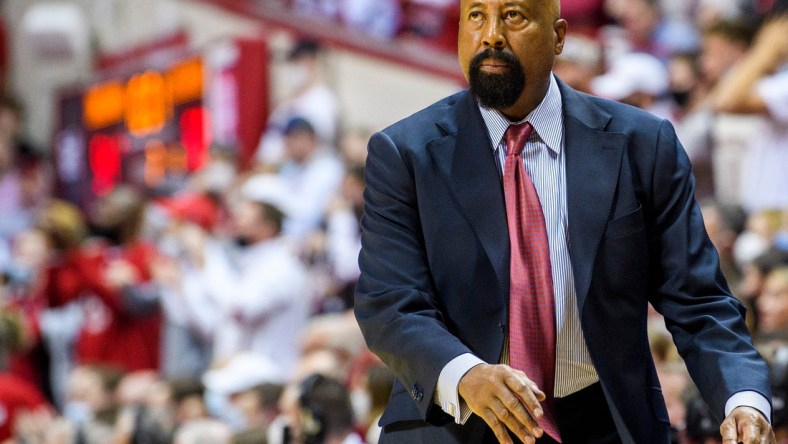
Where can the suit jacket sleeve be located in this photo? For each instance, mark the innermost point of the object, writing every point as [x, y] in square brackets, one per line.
[395, 303]
[706, 322]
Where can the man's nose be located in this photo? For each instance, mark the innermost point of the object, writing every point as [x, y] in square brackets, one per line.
[493, 35]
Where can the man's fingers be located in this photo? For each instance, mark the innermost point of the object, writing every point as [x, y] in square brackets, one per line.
[729, 432]
[528, 392]
[749, 434]
[523, 403]
[497, 426]
[746, 425]
[505, 399]
[512, 413]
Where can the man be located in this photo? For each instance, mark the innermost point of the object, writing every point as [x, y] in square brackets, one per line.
[758, 86]
[106, 279]
[308, 97]
[325, 415]
[249, 386]
[615, 196]
[649, 29]
[716, 143]
[313, 176]
[257, 284]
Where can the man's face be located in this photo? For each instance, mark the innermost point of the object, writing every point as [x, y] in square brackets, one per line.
[247, 403]
[640, 18]
[718, 55]
[246, 220]
[300, 145]
[773, 304]
[506, 48]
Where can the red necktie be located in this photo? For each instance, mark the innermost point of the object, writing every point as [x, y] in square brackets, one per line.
[531, 304]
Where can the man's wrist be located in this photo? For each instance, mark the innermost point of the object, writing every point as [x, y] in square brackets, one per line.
[447, 394]
[750, 399]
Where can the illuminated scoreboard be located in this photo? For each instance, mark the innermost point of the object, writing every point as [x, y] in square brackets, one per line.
[154, 126]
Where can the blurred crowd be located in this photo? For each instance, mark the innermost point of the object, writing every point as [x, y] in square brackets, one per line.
[223, 313]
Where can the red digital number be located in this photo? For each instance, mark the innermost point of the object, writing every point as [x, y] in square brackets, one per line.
[104, 157]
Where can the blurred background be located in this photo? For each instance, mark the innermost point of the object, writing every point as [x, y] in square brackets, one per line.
[181, 184]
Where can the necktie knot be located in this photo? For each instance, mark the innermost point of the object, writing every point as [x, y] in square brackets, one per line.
[516, 136]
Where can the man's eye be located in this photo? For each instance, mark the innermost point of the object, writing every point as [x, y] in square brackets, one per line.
[513, 15]
[475, 15]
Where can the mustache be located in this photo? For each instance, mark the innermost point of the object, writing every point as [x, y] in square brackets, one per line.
[493, 54]
[501, 90]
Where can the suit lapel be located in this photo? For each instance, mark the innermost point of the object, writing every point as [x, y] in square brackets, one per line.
[593, 162]
[465, 159]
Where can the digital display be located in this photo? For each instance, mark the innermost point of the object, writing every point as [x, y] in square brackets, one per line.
[148, 128]
[151, 124]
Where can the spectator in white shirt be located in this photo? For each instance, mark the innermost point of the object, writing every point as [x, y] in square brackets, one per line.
[312, 176]
[759, 86]
[308, 97]
[255, 285]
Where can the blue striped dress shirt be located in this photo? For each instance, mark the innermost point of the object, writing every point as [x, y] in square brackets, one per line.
[544, 159]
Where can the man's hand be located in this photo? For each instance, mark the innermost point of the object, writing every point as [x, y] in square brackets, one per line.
[746, 425]
[506, 399]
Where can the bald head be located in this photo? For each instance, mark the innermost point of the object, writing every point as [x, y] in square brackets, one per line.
[553, 5]
[554, 8]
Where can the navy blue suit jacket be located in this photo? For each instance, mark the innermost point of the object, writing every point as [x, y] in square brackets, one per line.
[435, 261]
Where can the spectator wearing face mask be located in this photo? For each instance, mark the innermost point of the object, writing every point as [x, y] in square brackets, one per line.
[312, 176]
[251, 284]
[91, 405]
[188, 323]
[105, 278]
[248, 386]
[308, 97]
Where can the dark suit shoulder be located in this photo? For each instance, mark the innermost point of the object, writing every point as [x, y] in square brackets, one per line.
[625, 118]
[426, 124]
[605, 115]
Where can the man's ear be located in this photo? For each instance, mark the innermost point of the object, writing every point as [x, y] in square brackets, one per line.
[560, 27]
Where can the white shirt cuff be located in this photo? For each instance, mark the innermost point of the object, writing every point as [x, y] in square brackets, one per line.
[447, 393]
[749, 399]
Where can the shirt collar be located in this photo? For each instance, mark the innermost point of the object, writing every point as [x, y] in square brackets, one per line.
[547, 120]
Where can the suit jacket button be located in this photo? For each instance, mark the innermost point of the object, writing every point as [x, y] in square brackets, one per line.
[502, 327]
[416, 393]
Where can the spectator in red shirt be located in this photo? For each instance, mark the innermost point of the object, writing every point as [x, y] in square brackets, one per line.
[121, 322]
